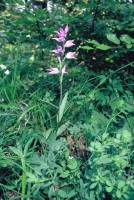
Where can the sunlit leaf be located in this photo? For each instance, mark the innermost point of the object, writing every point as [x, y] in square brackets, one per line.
[113, 38]
[87, 47]
[103, 47]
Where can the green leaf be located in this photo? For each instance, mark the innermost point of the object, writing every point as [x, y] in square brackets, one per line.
[97, 145]
[92, 195]
[62, 128]
[121, 184]
[103, 47]
[16, 151]
[64, 174]
[20, 2]
[71, 194]
[72, 164]
[109, 189]
[118, 194]
[102, 79]
[9, 1]
[93, 42]
[126, 135]
[62, 193]
[62, 107]
[87, 47]
[126, 38]
[103, 160]
[27, 146]
[31, 17]
[31, 177]
[10, 34]
[129, 46]
[105, 135]
[108, 183]
[48, 132]
[113, 38]
[93, 185]
[50, 192]
[90, 148]
[124, 152]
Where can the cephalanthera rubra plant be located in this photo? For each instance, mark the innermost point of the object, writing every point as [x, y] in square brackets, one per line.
[61, 55]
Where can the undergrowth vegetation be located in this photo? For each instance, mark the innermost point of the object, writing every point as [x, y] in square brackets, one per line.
[66, 123]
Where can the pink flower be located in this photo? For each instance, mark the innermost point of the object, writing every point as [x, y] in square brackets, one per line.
[58, 56]
[66, 29]
[64, 70]
[58, 50]
[69, 43]
[70, 55]
[61, 34]
[60, 39]
[53, 70]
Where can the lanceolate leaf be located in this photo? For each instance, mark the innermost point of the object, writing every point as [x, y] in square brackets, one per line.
[93, 42]
[103, 47]
[93, 185]
[62, 107]
[126, 38]
[113, 38]
[16, 151]
[62, 128]
[87, 47]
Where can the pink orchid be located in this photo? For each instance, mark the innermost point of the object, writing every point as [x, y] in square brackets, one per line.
[58, 50]
[60, 39]
[53, 70]
[61, 34]
[58, 56]
[69, 43]
[66, 29]
[70, 55]
[64, 70]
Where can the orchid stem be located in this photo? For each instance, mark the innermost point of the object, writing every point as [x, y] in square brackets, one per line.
[61, 80]
[61, 93]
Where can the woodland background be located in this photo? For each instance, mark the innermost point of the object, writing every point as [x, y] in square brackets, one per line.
[89, 154]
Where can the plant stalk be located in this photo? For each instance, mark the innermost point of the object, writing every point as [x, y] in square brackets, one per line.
[23, 179]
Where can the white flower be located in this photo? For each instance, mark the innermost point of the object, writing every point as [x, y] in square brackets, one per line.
[2, 66]
[2, 100]
[28, 36]
[7, 72]
[70, 157]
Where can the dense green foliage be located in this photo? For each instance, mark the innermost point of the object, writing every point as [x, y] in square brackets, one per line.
[88, 154]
